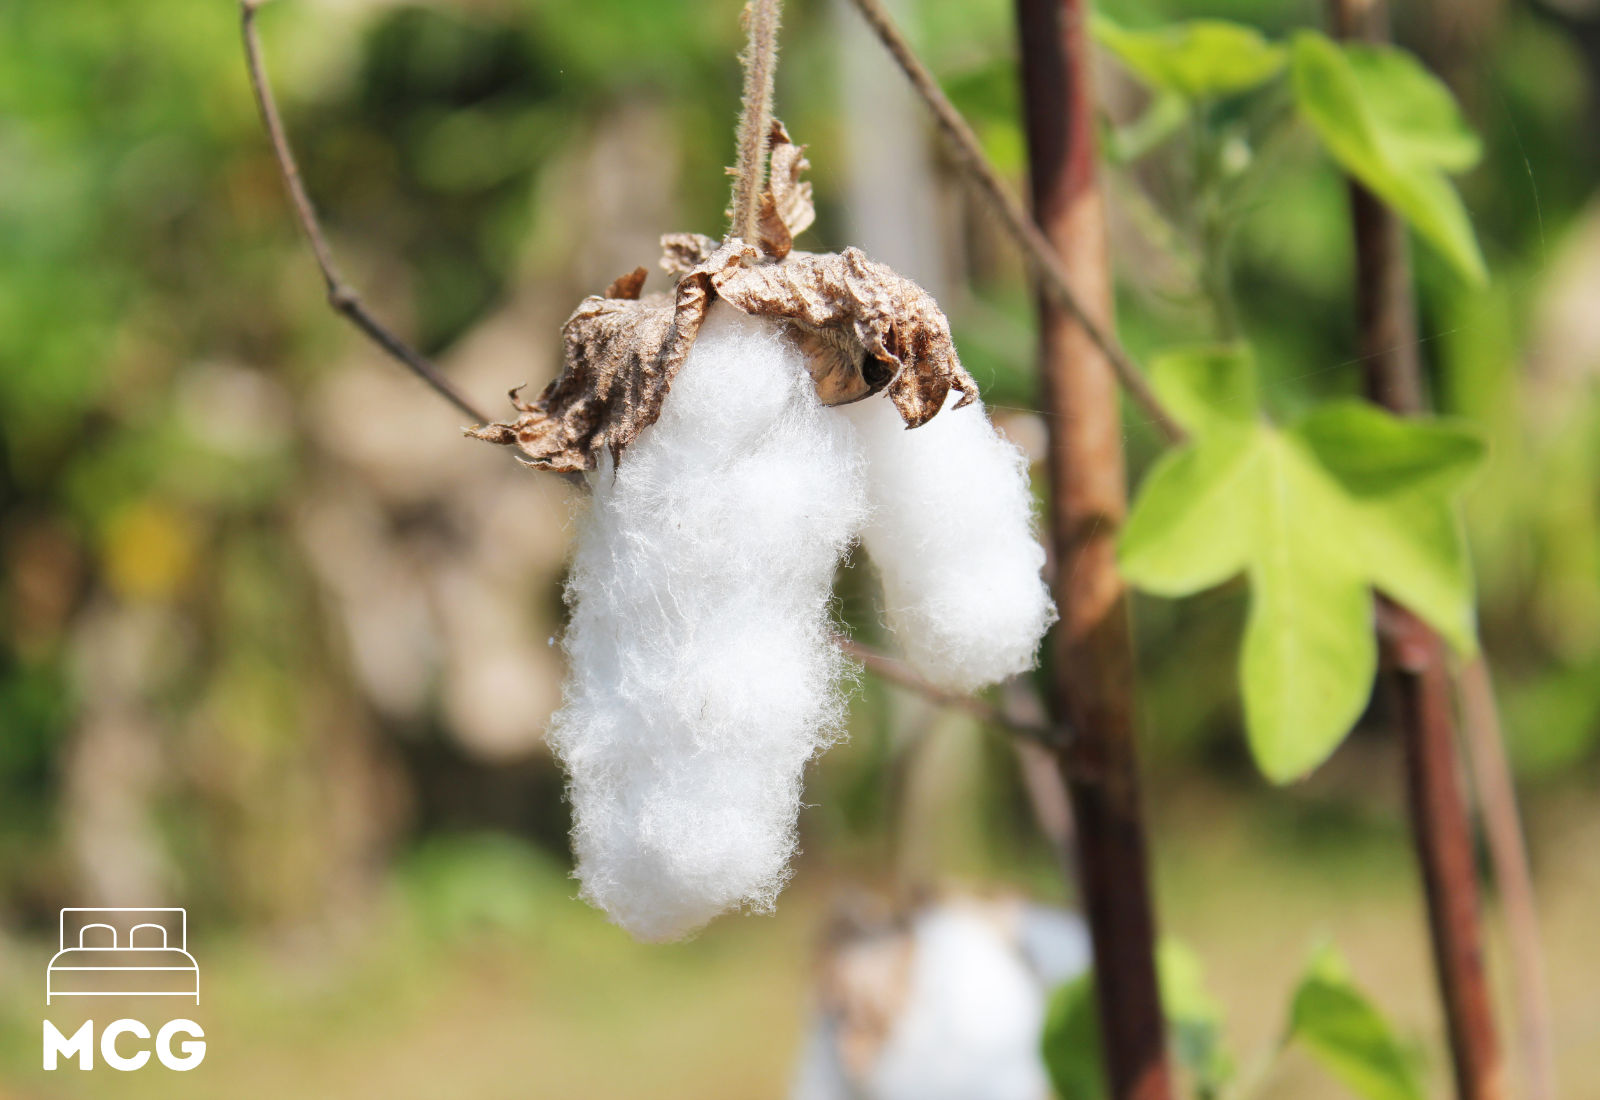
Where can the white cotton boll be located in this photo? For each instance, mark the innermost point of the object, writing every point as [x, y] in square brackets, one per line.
[703, 674]
[952, 536]
[950, 1010]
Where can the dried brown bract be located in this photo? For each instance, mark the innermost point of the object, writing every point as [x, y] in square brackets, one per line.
[621, 355]
[864, 328]
[790, 193]
[863, 324]
[681, 253]
[629, 285]
[785, 209]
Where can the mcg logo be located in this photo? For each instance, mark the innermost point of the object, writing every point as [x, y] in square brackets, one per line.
[124, 953]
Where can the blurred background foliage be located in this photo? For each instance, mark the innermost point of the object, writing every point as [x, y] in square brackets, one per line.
[274, 639]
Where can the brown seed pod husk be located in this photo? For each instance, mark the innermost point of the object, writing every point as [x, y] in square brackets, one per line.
[862, 326]
[621, 355]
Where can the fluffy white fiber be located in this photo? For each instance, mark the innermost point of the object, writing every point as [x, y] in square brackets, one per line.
[703, 672]
[952, 537]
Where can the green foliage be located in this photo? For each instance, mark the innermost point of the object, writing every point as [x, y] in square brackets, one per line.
[1200, 59]
[476, 885]
[1328, 1015]
[1342, 1029]
[1164, 117]
[1071, 1042]
[1345, 499]
[1395, 127]
[1194, 1018]
[1072, 1033]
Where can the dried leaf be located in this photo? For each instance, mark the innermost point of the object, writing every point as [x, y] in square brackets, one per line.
[774, 237]
[628, 286]
[621, 356]
[791, 195]
[683, 252]
[854, 309]
[862, 327]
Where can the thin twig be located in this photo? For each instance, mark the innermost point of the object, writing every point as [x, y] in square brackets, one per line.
[341, 296]
[1508, 851]
[888, 668]
[760, 61]
[1042, 258]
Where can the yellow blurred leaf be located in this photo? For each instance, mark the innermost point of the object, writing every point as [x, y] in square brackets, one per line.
[148, 548]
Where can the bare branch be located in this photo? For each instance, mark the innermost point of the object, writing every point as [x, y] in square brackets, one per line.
[1042, 258]
[1091, 681]
[896, 672]
[1508, 851]
[760, 61]
[1417, 676]
[341, 296]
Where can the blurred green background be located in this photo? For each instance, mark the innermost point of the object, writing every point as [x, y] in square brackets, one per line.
[275, 639]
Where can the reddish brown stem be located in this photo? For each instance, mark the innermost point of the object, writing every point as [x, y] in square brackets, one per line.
[1092, 674]
[1420, 687]
[1508, 851]
[1414, 656]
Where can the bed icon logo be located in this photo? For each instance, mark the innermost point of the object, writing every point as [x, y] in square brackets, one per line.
[123, 953]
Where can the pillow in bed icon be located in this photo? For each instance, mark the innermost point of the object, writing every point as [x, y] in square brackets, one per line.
[123, 953]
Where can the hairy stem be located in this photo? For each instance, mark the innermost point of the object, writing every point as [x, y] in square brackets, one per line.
[760, 61]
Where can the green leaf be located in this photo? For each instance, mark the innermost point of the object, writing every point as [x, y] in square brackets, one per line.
[1347, 1034]
[1072, 1030]
[1208, 386]
[1190, 531]
[1071, 1042]
[1393, 126]
[1309, 655]
[1394, 473]
[1167, 113]
[1315, 516]
[1194, 1017]
[1200, 59]
[1413, 107]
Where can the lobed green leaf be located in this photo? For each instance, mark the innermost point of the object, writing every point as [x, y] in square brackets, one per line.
[1395, 127]
[1316, 516]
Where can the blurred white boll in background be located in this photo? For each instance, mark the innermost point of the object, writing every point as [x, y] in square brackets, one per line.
[947, 1005]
